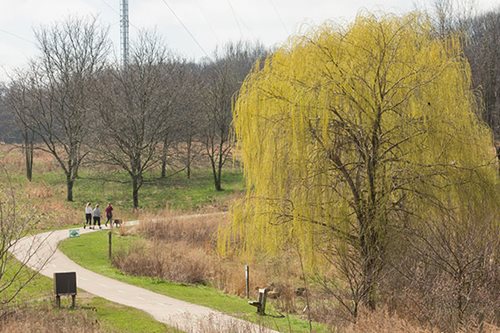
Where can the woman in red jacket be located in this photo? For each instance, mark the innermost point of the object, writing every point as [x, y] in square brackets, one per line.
[109, 215]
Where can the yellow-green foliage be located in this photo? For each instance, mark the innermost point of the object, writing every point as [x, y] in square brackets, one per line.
[384, 101]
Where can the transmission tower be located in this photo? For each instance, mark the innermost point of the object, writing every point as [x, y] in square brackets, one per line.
[124, 38]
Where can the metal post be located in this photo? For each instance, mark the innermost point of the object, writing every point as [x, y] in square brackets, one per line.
[58, 301]
[73, 298]
[124, 29]
[109, 244]
[247, 281]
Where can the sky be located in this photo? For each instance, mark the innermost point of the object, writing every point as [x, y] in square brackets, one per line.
[209, 22]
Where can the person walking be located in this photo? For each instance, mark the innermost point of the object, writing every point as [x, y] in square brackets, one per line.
[88, 215]
[109, 215]
[97, 216]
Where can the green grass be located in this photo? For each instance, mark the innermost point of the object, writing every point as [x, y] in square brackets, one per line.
[90, 251]
[40, 286]
[174, 192]
[113, 317]
[119, 318]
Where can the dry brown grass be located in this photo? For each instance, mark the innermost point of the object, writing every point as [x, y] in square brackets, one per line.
[381, 321]
[198, 231]
[214, 324]
[39, 194]
[173, 262]
[47, 319]
[11, 156]
[183, 249]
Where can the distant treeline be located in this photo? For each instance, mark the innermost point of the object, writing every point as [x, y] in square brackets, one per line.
[79, 105]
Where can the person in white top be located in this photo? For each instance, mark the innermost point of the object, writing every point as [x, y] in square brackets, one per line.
[88, 215]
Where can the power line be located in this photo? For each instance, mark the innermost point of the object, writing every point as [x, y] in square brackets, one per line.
[17, 36]
[206, 20]
[240, 20]
[4, 69]
[235, 19]
[107, 4]
[279, 16]
[185, 28]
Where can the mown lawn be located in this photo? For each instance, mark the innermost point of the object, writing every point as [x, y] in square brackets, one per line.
[90, 251]
[112, 317]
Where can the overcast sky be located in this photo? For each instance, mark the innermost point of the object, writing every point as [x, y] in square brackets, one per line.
[211, 22]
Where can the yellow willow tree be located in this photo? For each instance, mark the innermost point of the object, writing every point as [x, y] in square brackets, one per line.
[348, 134]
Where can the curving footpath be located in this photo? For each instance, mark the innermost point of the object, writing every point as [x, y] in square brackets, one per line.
[42, 254]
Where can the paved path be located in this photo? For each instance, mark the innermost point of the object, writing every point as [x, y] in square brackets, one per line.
[185, 316]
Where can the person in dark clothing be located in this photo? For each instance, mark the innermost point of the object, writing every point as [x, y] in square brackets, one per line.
[109, 215]
[97, 216]
[88, 215]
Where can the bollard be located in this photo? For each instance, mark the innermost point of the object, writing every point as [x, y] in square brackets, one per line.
[109, 244]
[247, 281]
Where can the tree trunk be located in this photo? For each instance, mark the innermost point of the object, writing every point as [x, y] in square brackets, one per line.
[29, 163]
[77, 164]
[218, 179]
[163, 167]
[28, 153]
[218, 186]
[69, 183]
[369, 252]
[188, 160]
[164, 154]
[135, 191]
[217, 182]
[220, 156]
[369, 283]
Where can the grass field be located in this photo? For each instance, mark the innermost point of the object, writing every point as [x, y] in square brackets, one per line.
[112, 317]
[90, 251]
[174, 192]
[111, 184]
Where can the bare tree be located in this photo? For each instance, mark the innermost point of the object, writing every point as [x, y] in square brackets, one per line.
[131, 103]
[448, 266]
[72, 54]
[483, 52]
[20, 104]
[7, 122]
[189, 111]
[223, 78]
[480, 36]
[174, 86]
[16, 220]
[452, 16]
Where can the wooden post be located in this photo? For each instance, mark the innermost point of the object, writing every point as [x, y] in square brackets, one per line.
[247, 281]
[58, 301]
[109, 244]
[73, 301]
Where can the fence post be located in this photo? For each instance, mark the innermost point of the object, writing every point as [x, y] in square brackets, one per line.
[109, 244]
[247, 281]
